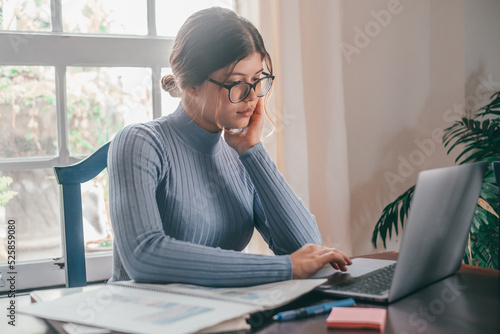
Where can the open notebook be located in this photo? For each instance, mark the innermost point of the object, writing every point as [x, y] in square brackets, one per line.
[169, 308]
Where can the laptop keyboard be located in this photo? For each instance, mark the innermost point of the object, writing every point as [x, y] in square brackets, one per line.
[376, 282]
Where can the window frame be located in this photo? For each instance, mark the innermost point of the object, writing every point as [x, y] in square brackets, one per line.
[60, 50]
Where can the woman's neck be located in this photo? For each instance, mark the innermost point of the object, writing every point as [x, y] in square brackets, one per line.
[196, 113]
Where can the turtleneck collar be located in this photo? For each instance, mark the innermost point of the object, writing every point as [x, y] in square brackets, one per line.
[194, 135]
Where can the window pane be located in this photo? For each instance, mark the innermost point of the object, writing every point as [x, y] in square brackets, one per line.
[31, 199]
[103, 100]
[170, 15]
[27, 111]
[105, 17]
[168, 103]
[25, 15]
[98, 233]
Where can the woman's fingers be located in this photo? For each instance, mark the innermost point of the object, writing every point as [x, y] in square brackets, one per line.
[334, 265]
[310, 258]
[243, 139]
[338, 259]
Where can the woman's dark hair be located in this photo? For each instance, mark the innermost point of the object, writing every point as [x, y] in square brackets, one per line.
[209, 40]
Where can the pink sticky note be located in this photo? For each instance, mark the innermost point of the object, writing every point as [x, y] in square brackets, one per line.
[357, 317]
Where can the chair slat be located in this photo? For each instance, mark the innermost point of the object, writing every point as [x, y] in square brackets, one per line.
[70, 178]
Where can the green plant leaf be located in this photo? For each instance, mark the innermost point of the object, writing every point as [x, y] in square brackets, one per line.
[478, 139]
[389, 218]
[5, 194]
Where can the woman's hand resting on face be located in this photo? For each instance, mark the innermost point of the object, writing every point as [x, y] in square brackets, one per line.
[250, 136]
[310, 258]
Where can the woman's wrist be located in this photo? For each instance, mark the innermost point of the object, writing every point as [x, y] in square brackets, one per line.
[248, 148]
[244, 148]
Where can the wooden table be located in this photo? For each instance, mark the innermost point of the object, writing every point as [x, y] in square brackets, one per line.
[467, 302]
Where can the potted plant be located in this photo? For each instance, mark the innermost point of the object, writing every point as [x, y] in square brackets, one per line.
[478, 138]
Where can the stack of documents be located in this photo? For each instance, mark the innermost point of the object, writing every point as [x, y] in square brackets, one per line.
[174, 308]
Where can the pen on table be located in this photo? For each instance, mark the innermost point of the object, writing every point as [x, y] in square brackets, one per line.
[313, 310]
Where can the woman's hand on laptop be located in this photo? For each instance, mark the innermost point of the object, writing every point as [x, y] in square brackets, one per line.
[310, 258]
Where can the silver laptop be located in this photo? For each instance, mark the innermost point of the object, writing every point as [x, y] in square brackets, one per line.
[433, 241]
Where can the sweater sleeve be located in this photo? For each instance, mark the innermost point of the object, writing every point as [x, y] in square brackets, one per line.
[137, 163]
[281, 217]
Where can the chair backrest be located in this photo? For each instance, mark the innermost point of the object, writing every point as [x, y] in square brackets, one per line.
[70, 178]
[496, 172]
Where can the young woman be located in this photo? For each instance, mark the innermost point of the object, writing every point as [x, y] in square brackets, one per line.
[188, 189]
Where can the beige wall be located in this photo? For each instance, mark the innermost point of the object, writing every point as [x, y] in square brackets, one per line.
[404, 85]
[372, 114]
[482, 47]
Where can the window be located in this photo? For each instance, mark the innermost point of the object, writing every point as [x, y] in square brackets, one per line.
[72, 74]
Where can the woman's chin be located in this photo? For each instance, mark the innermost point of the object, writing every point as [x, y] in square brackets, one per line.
[241, 131]
[238, 125]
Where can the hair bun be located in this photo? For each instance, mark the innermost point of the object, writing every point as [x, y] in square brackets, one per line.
[169, 84]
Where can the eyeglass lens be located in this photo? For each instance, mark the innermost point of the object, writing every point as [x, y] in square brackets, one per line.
[240, 92]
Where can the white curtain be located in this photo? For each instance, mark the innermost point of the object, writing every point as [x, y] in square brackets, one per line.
[348, 123]
[309, 140]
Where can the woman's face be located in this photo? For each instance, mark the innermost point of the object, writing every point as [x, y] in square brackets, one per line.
[231, 115]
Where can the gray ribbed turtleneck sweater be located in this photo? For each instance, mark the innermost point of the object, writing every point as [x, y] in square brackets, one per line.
[183, 206]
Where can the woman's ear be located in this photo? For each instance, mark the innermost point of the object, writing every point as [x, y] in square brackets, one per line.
[192, 91]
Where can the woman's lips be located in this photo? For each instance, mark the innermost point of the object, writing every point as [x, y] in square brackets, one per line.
[248, 112]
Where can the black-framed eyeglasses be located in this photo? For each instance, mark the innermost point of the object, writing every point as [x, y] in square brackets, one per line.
[238, 91]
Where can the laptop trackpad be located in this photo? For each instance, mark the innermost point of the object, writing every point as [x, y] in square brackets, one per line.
[360, 266]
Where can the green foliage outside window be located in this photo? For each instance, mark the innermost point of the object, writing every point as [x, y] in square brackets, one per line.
[5, 194]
